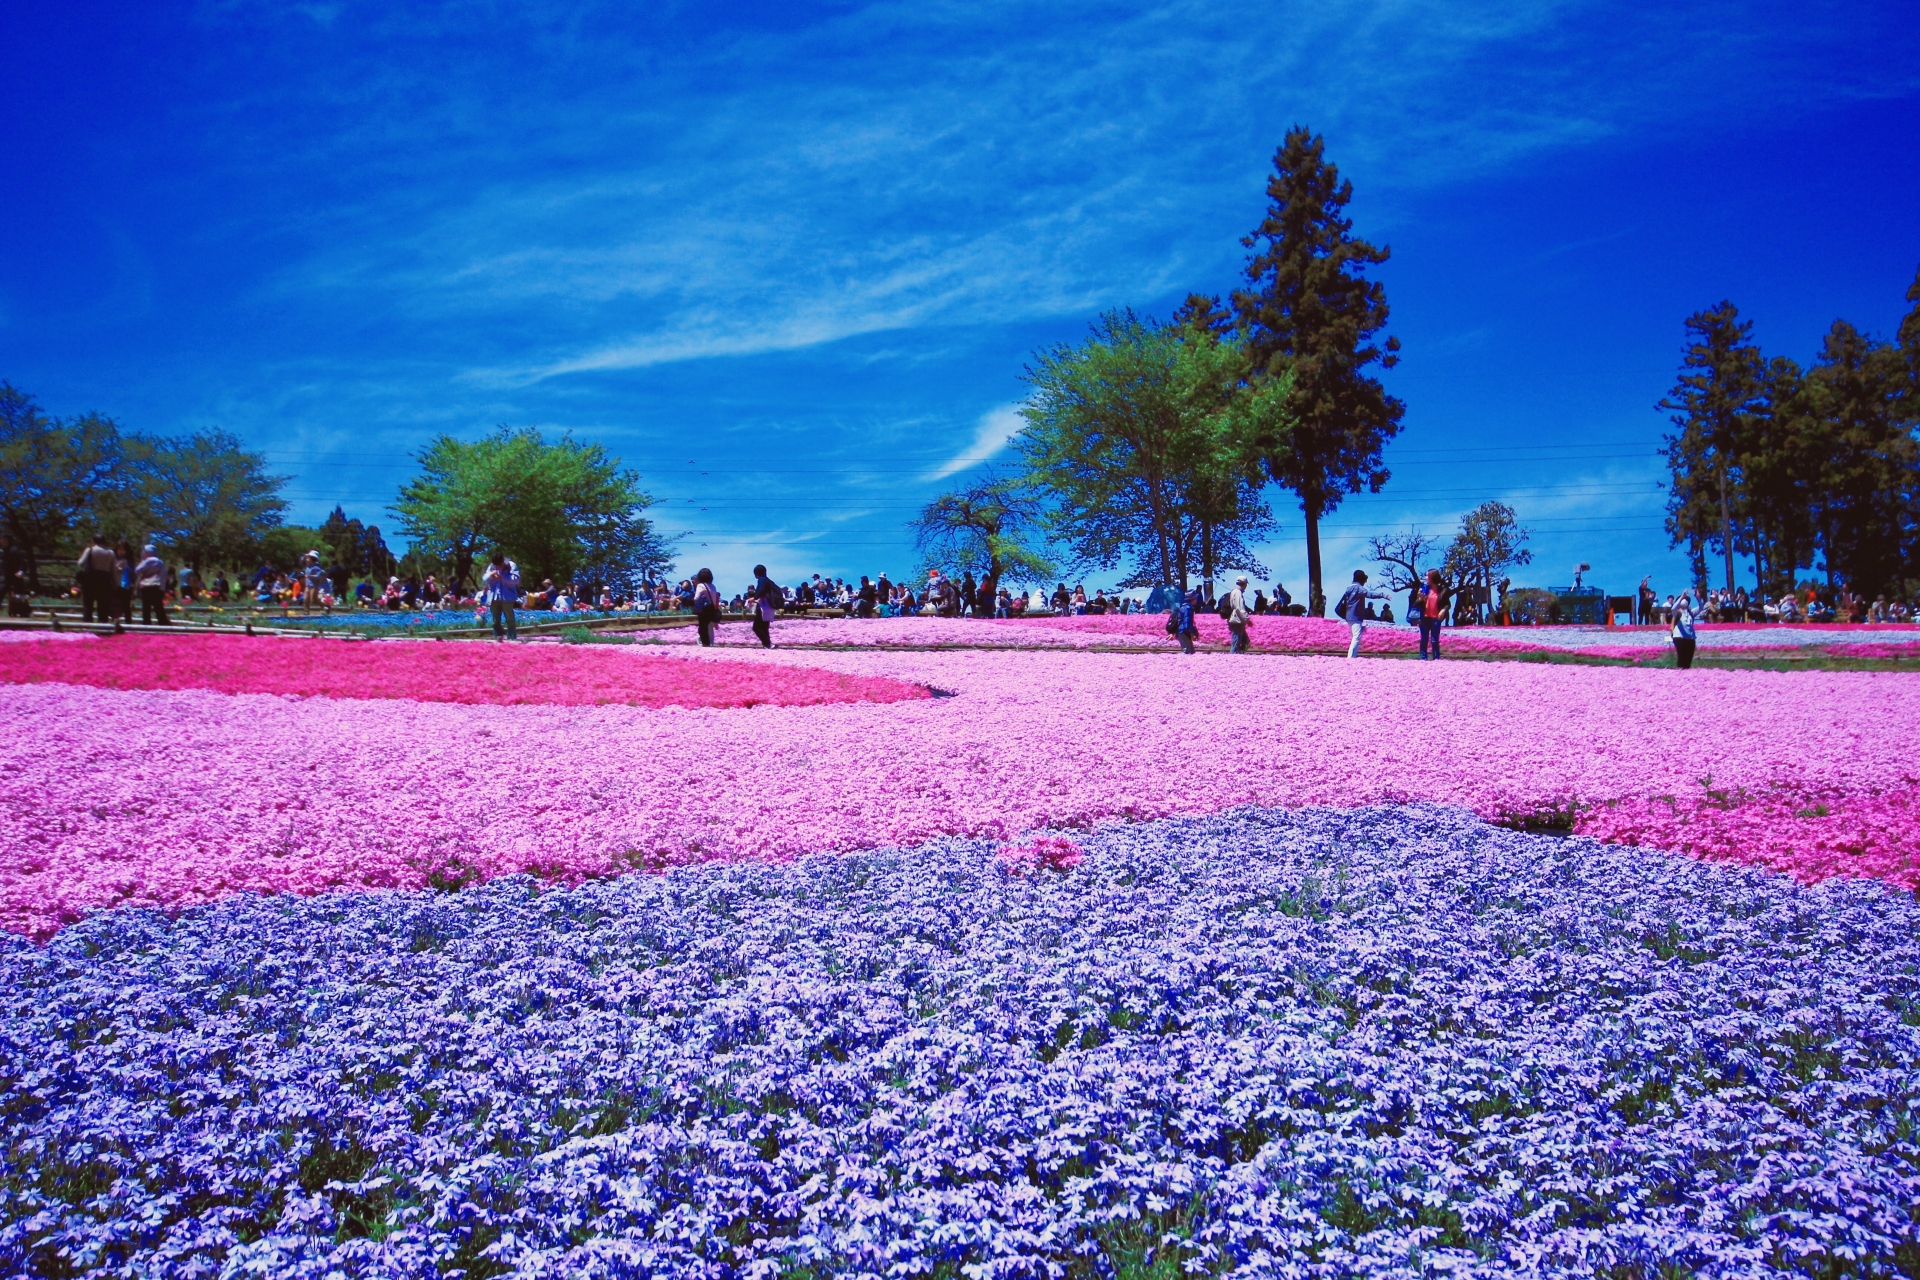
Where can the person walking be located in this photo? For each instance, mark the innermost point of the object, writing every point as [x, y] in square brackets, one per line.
[1684, 639]
[766, 604]
[95, 572]
[150, 579]
[1353, 608]
[706, 605]
[123, 581]
[1181, 620]
[1239, 614]
[500, 586]
[1429, 608]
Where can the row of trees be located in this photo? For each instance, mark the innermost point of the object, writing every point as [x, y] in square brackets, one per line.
[203, 496]
[1149, 445]
[1814, 468]
[563, 509]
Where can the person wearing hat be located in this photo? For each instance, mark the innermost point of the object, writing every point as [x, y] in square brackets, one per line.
[316, 578]
[1239, 614]
[150, 580]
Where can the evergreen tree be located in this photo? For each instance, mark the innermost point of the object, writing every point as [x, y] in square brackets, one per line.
[1863, 495]
[1309, 311]
[1779, 460]
[1720, 389]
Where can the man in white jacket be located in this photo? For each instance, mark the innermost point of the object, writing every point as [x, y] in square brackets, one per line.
[1239, 614]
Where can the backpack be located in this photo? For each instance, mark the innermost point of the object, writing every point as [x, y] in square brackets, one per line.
[1225, 607]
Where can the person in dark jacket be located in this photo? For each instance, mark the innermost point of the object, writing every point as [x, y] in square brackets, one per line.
[766, 605]
[95, 574]
[1180, 620]
[706, 605]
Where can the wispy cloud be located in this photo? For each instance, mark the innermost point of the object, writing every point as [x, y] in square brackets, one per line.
[772, 193]
[990, 435]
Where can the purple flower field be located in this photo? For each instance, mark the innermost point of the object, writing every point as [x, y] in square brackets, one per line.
[1387, 1041]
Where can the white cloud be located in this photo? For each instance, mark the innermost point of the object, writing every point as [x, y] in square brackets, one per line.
[996, 427]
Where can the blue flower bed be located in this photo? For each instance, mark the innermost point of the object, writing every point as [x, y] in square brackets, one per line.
[1388, 1041]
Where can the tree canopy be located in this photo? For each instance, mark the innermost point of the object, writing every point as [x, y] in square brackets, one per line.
[988, 528]
[1794, 467]
[1137, 440]
[561, 509]
[203, 497]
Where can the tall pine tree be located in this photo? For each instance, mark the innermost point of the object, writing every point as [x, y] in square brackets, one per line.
[1309, 310]
[1720, 390]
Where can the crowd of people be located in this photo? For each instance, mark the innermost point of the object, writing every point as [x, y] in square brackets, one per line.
[110, 578]
[1807, 603]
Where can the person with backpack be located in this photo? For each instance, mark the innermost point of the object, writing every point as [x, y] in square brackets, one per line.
[95, 574]
[706, 605]
[500, 587]
[1235, 609]
[1180, 620]
[1353, 608]
[1684, 639]
[1427, 607]
[766, 604]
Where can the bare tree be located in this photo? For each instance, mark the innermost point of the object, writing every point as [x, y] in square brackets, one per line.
[1401, 554]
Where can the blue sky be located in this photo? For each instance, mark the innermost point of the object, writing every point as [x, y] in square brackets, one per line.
[789, 264]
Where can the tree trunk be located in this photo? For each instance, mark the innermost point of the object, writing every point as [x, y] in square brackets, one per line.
[1206, 553]
[1316, 598]
[1726, 525]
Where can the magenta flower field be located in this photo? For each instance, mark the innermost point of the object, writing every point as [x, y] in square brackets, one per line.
[425, 671]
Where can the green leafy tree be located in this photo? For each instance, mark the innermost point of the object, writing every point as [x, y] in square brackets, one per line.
[204, 497]
[1309, 312]
[54, 475]
[284, 545]
[1490, 542]
[1720, 391]
[986, 528]
[1134, 440]
[562, 509]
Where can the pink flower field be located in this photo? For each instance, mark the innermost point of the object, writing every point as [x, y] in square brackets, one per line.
[169, 795]
[429, 671]
[1271, 634]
